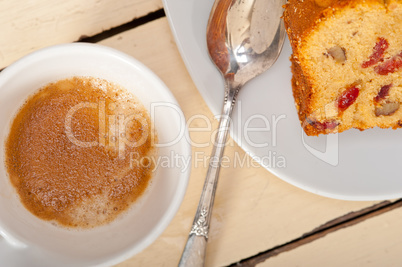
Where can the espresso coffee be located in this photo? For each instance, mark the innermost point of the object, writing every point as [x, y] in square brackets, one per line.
[79, 152]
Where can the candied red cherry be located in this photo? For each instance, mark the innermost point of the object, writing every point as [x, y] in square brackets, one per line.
[390, 66]
[378, 53]
[330, 124]
[347, 98]
[383, 93]
[325, 125]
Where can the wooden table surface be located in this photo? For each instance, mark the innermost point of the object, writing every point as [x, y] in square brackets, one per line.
[258, 219]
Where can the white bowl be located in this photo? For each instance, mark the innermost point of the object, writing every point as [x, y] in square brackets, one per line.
[32, 241]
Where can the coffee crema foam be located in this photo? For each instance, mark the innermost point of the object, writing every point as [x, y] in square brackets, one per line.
[68, 152]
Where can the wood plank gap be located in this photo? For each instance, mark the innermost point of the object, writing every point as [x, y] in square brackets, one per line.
[347, 220]
[124, 27]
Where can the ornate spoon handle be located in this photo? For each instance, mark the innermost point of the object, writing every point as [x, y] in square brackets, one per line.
[194, 251]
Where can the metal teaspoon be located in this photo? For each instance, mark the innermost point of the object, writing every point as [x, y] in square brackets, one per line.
[244, 39]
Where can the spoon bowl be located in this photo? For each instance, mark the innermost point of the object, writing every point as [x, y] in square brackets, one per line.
[245, 38]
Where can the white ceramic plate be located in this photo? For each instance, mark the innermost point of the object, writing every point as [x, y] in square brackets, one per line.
[48, 245]
[352, 165]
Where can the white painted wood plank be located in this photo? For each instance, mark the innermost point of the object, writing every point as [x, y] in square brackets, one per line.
[26, 26]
